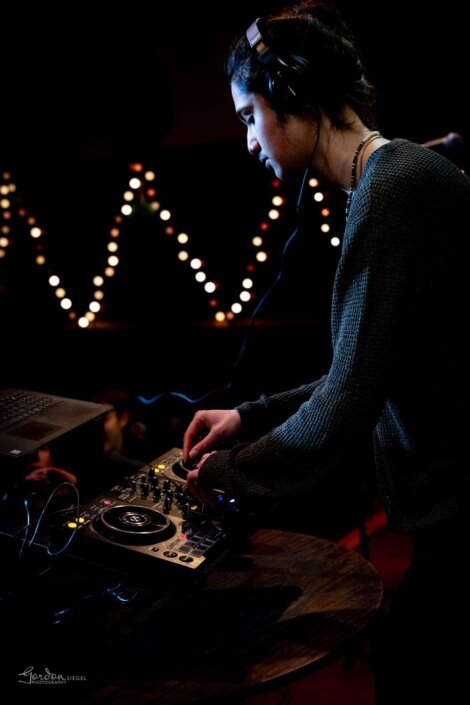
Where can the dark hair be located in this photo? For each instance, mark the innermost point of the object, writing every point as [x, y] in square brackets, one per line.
[314, 35]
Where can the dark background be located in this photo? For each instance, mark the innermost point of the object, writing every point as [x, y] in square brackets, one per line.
[85, 90]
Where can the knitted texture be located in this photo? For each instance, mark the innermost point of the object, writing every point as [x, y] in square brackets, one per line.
[398, 366]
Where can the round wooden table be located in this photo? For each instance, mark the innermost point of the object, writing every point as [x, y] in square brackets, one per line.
[290, 603]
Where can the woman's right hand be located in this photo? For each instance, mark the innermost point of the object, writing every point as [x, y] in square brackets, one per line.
[210, 430]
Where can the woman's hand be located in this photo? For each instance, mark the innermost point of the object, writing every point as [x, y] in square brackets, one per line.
[210, 430]
[195, 487]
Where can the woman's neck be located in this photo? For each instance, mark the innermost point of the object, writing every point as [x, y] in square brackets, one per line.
[337, 148]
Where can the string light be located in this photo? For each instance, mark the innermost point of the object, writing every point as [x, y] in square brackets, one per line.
[131, 195]
[137, 193]
[7, 188]
[195, 262]
[319, 197]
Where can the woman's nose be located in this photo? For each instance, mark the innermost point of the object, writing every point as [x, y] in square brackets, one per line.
[252, 144]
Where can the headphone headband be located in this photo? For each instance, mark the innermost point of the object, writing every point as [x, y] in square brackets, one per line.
[257, 42]
[287, 76]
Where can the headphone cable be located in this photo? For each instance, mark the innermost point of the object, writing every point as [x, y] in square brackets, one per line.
[226, 387]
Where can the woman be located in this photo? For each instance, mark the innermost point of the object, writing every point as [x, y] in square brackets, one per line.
[398, 304]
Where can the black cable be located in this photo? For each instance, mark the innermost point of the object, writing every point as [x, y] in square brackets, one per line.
[30, 541]
[259, 306]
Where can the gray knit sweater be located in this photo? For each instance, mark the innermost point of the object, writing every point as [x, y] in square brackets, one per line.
[399, 366]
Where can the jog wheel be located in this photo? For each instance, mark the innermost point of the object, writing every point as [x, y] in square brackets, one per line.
[133, 524]
[181, 469]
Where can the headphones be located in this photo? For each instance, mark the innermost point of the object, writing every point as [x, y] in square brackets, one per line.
[289, 78]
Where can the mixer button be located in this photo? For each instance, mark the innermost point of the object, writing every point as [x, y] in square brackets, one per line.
[186, 559]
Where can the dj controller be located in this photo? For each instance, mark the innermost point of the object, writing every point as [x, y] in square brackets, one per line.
[151, 526]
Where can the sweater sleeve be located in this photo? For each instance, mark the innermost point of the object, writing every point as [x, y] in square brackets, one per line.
[373, 300]
[259, 417]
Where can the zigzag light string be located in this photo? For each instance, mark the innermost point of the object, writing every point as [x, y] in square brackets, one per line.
[142, 192]
[7, 188]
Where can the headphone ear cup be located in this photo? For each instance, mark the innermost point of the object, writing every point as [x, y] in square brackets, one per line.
[278, 87]
[287, 82]
[288, 77]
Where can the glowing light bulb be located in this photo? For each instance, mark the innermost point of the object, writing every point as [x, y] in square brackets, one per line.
[313, 183]
[83, 322]
[209, 287]
[4, 203]
[183, 255]
[219, 316]
[54, 280]
[247, 283]
[335, 241]
[109, 272]
[195, 263]
[98, 295]
[60, 292]
[35, 232]
[318, 196]
[98, 281]
[325, 228]
[94, 306]
[257, 241]
[325, 212]
[90, 315]
[126, 209]
[200, 277]
[182, 238]
[261, 256]
[245, 296]
[113, 261]
[277, 201]
[165, 215]
[4, 242]
[149, 175]
[135, 183]
[113, 246]
[236, 308]
[114, 232]
[66, 303]
[273, 214]
[40, 259]
[128, 196]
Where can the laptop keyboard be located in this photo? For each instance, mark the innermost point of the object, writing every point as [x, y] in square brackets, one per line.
[21, 405]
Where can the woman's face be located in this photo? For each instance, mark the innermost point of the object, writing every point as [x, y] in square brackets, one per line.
[284, 147]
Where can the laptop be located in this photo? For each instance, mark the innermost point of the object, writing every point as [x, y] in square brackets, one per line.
[29, 420]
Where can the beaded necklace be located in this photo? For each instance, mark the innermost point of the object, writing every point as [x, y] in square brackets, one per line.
[352, 185]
